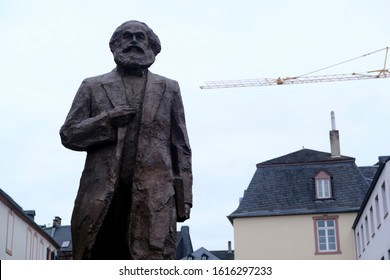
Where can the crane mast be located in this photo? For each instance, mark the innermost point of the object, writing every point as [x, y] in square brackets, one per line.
[303, 79]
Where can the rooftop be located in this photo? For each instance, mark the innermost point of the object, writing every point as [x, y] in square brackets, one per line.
[304, 156]
[286, 186]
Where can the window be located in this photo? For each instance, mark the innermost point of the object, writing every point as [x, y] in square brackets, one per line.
[384, 200]
[40, 250]
[29, 244]
[204, 256]
[372, 222]
[367, 231]
[358, 242]
[35, 246]
[323, 188]
[326, 235]
[323, 185]
[326, 231]
[378, 215]
[10, 232]
[363, 239]
[190, 257]
[48, 253]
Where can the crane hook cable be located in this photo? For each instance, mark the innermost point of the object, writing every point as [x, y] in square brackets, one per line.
[386, 48]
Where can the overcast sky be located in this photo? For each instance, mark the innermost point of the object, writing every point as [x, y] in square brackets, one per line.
[48, 47]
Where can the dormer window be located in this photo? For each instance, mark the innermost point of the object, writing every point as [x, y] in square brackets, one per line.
[323, 185]
[204, 257]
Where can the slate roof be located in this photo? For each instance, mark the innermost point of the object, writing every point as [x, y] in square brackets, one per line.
[286, 186]
[223, 255]
[368, 172]
[197, 255]
[183, 243]
[62, 235]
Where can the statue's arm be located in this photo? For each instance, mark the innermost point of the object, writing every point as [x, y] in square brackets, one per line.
[180, 146]
[83, 128]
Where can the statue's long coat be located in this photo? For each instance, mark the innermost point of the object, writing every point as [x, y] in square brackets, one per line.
[163, 153]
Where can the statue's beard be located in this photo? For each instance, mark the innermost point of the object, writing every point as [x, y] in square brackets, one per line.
[134, 57]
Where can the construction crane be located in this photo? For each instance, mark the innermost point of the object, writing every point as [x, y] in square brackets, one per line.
[305, 78]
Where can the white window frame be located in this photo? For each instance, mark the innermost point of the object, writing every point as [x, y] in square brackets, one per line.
[372, 222]
[367, 229]
[323, 185]
[363, 237]
[377, 212]
[384, 200]
[10, 232]
[358, 244]
[326, 232]
[29, 244]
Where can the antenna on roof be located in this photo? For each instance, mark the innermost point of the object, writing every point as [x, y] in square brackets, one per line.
[333, 120]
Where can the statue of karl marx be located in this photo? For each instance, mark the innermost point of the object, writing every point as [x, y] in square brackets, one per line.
[137, 179]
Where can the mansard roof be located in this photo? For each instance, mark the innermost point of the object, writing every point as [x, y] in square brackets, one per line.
[286, 186]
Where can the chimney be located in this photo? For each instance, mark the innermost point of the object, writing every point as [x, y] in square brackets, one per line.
[30, 214]
[334, 138]
[229, 247]
[56, 222]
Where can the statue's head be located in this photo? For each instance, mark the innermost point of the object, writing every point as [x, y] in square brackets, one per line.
[134, 45]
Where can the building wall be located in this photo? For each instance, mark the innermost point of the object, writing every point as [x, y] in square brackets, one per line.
[372, 237]
[288, 237]
[19, 239]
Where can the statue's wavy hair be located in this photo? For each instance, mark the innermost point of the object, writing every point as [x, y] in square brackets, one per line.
[154, 41]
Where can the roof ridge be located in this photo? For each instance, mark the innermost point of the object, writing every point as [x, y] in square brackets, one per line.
[305, 156]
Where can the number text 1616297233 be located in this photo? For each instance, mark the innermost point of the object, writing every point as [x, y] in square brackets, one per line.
[243, 270]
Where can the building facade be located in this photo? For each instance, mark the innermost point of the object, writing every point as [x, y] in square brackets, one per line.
[20, 237]
[372, 224]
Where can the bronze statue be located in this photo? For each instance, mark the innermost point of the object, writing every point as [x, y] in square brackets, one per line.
[137, 179]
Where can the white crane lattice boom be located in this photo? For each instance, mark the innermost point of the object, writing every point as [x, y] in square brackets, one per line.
[293, 80]
[304, 79]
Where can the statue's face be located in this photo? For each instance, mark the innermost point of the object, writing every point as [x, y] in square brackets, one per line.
[131, 49]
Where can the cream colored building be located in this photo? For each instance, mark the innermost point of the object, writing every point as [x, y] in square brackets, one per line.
[300, 206]
[290, 237]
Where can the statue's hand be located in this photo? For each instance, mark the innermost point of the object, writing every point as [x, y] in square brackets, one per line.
[121, 115]
[187, 210]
